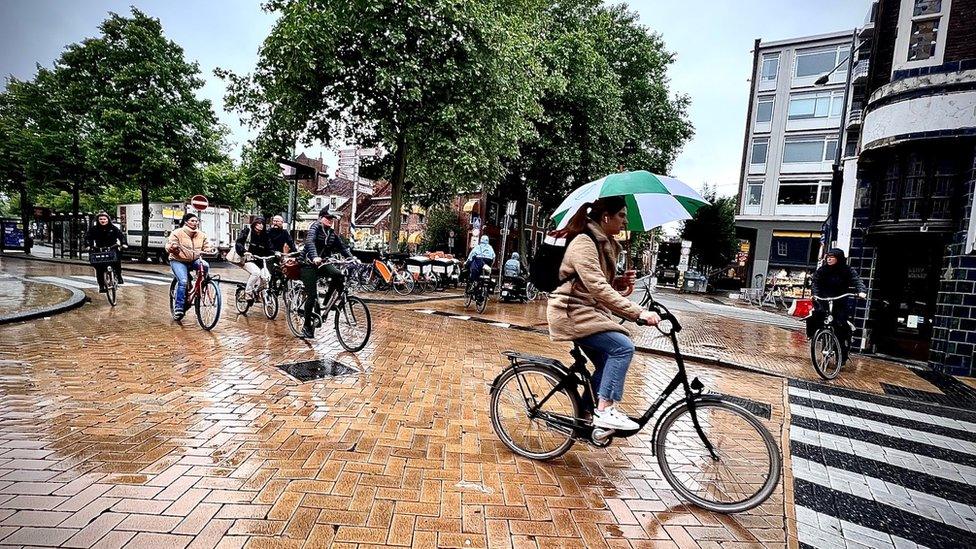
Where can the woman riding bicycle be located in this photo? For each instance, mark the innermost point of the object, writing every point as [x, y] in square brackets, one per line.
[581, 308]
[186, 245]
[254, 241]
[103, 235]
[835, 278]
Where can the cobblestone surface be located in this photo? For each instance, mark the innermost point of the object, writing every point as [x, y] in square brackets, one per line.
[118, 426]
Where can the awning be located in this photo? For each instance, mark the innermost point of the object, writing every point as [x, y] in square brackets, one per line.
[471, 206]
[415, 238]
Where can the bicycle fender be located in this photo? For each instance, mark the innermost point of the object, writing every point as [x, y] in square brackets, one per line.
[674, 405]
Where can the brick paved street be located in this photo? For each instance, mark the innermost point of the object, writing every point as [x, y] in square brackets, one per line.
[119, 427]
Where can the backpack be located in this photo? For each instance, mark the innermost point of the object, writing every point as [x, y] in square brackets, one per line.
[544, 273]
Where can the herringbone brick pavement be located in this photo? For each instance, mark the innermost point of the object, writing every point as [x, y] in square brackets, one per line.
[120, 428]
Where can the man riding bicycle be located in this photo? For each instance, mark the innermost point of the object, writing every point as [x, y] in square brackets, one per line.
[104, 235]
[321, 242]
[278, 237]
[834, 278]
[481, 255]
[186, 246]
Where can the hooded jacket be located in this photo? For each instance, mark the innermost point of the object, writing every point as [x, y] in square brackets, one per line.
[585, 304]
[482, 250]
[835, 280]
[193, 244]
[513, 267]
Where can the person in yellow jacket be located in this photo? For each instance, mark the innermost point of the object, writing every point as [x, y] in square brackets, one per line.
[186, 246]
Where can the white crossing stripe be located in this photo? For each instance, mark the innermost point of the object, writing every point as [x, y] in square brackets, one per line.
[160, 277]
[891, 430]
[66, 281]
[915, 462]
[887, 410]
[145, 280]
[822, 531]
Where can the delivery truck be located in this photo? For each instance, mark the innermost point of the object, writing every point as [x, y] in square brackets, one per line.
[220, 224]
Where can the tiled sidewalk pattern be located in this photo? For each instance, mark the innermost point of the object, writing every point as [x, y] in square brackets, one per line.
[119, 427]
[872, 471]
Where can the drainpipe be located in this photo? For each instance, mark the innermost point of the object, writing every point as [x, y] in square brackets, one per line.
[837, 176]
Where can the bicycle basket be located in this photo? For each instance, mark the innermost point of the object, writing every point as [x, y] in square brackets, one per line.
[291, 269]
[102, 258]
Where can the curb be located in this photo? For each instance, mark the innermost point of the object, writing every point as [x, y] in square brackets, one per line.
[382, 301]
[77, 299]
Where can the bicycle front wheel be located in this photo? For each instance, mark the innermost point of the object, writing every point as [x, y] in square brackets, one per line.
[353, 324]
[403, 282]
[108, 278]
[172, 297]
[208, 305]
[748, 462]
[295, 307]
[826, 354]
[515, 394]
[482, 303]
[270, 303]
[240, 300]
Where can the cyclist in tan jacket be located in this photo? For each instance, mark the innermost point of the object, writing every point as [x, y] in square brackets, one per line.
[186, 245]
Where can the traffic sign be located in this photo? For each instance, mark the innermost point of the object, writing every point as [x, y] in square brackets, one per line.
[348, 161]
[369, 151]
[199, 202]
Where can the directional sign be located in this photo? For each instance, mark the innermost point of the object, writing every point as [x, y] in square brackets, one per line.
[369, 151]
[199, 202]
[348, 162]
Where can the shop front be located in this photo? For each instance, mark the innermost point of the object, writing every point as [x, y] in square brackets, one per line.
[793, 258]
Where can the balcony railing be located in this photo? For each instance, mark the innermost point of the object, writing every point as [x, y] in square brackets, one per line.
[860, 71]
[855, 117]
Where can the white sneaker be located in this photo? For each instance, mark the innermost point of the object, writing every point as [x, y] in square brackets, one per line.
[612, 418]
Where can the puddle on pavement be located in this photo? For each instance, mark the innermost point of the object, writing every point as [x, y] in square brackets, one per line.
[311, 370]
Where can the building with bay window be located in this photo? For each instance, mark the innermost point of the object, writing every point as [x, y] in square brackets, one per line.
[789, 150]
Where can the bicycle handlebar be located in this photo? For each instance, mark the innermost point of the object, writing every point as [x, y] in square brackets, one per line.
[665, 314]
[818, 298]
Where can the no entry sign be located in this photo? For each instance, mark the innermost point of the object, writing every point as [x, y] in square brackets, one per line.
[199, 202]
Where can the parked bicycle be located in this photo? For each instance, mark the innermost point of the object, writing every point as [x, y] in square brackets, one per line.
[108, 256]
[353, 323]
[827, 352]
[479, 290]
[387, 274]
[712, 451]
[203, 294]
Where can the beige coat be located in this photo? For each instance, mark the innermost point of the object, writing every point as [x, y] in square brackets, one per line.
[195, 244]
[585, 305]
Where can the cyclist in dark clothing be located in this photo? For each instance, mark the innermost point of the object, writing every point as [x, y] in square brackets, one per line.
[278, 237]
[834, 278]
[321, 242]
[102, 235]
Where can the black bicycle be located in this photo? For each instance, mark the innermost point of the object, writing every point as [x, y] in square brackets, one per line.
[826, 350]
[479, 290]
[107, 256]
[712, 451]
[353, 324]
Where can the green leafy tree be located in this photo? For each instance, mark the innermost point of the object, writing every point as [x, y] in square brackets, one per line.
[149, 130]
[446, 86]
[15, 148]
[441, 220]
[712, 231]
[262, 183]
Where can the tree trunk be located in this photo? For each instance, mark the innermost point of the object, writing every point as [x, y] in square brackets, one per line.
[75, 211]
[26, 214]
[396, 201]
[144, 255]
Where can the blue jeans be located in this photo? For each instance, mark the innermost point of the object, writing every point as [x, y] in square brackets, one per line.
[181, 272]
[610, 353]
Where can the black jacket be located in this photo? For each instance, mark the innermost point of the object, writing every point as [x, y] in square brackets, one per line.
[323, 242]
[103, 237]
[259, 245]
[277, 238]
[837, 280]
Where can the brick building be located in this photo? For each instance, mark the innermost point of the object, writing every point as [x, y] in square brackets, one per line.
[907, 211]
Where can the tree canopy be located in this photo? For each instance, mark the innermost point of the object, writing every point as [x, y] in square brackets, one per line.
[712, 231]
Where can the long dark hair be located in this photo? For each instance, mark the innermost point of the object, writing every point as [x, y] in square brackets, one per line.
[608, 205]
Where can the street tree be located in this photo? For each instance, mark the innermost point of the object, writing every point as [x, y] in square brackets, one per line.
[712, 231]
[15, 147]
[441, 221]
[446, 86]
[149, 130]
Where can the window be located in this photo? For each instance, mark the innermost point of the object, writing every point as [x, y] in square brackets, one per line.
[770, 67]
[759, 148]
[754, 194]
[764, 110]
[816, 105]
[530, 214]
[538, 239]
[334, 201]
[782, 248]
[527, 237]
[921, 39]
[818, 61]
[809, 149]
[803, 193]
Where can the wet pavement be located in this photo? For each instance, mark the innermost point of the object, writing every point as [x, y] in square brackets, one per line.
[20, 296]
[119, 426]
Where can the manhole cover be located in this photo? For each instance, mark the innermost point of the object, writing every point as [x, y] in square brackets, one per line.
[317, 369]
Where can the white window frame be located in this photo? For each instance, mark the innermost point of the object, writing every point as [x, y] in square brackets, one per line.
[832, 96]
[771, 99]
[749, 185]
[905, 19]
[839, 56]
[530, 214]
[820, 184]
[752, 145]
[823, 139]
[762, 65]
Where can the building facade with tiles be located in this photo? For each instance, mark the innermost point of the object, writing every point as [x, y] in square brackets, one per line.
[907, 211]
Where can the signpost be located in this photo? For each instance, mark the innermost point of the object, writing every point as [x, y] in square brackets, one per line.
[199, 202]
[349, 159]
[683, 262]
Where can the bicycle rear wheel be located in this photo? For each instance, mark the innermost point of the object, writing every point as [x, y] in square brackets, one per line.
[533, 437]
[353, 324]
[482, 302]
[208, 304]
[108, 278]
[531, 292]
[240, 300]
[748, 465]
[172, 297]
[402, 282]
[295, 307]
[826, 354]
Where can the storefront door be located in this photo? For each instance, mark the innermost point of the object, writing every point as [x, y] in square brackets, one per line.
[907, 285]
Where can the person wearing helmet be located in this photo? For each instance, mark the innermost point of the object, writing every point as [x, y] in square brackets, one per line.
[834, 278]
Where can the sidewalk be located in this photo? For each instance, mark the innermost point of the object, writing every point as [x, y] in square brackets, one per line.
[23, 300]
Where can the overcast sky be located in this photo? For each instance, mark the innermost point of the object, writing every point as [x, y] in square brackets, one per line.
[712, 40]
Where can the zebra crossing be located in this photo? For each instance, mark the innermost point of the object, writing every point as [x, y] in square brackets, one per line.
[875, 471]
[88, 282]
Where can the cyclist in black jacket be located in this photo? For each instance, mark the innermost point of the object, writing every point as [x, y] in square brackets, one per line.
[321, 242]
[835, 278]
[102, 235]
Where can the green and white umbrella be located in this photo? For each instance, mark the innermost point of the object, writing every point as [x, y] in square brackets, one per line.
[652, 200]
